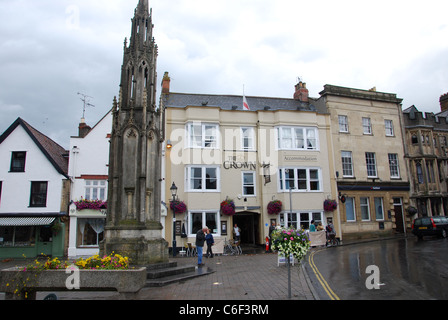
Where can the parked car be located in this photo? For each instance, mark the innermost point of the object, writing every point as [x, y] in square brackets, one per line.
[430, 226]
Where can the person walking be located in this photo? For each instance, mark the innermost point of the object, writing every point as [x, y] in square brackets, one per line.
[200, 239]
[210, 242]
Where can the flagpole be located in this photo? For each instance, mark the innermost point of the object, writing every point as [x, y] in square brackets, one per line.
[245, 104]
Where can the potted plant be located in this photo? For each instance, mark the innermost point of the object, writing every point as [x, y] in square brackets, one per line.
[330, 205]
[178, 206]
[274, 207]
[228, 207]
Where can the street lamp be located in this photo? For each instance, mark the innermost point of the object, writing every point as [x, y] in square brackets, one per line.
[173, 190]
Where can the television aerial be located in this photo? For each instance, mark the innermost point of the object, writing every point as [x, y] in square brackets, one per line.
[86, 102]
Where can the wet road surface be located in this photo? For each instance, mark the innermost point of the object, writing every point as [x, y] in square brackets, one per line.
[399, 269]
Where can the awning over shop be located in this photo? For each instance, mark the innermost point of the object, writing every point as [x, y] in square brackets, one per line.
[26, 221]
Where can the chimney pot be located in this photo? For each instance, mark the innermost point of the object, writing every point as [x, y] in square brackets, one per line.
[444, 102]
[301, 93]
[166, 83]
[83, 128]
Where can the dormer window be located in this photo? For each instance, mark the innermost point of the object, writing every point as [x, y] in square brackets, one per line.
[18, 161]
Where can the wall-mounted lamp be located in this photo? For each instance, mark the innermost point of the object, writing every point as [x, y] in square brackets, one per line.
[169, 145]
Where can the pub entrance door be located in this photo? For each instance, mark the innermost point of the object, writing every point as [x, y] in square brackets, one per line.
[248, 222]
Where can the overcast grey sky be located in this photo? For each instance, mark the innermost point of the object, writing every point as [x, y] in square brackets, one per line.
[52, 49]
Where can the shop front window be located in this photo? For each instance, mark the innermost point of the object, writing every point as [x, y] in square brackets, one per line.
[90, 232]
[20, 236]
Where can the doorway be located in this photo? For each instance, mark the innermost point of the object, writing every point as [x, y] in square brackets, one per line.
[45, 241]
[248, 222]
[398, 209]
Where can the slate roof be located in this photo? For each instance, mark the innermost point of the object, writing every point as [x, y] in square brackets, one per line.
[56, 154]
[234, 102]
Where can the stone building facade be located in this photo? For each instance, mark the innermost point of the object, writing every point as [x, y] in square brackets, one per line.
[371, 174]
[426, 154]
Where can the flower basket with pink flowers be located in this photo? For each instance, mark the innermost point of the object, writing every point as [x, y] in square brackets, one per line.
[228, 207]
[274, 207]
[330, 205]
[178, 206]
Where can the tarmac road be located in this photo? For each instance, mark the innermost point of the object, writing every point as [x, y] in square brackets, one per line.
[398, 269]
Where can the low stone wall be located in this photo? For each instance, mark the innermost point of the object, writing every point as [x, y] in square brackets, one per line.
[18, 284]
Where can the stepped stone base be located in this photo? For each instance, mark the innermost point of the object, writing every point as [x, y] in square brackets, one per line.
[162, 274]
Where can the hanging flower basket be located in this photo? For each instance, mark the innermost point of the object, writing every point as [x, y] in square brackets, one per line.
[411, 210]
[228, 207]
[289, 241]
[330, 205]
[90, 204]
[178, 206]
[274, 207]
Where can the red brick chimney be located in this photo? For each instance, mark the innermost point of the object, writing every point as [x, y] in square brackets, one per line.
[83, 128]
[166, 83]
[301, 93]
[444, 102]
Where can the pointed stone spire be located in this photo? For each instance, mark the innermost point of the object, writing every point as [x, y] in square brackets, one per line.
[143, 6]
[133, 220]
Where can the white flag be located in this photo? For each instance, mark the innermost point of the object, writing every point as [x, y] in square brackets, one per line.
[245, 105]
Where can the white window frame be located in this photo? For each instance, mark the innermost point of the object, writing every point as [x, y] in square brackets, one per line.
[352, 200]
[343, 123]
[203, 135]
[365, 208]
[389, 127]
[379, 210]
[203, 221]
[394, 167]
[346, 165]
[254, 183]
[282, 179]
[289, 133]
[370, 163]
[366, 125]
[287, 218]
[90, 187]
[250, 137]
[203, 168]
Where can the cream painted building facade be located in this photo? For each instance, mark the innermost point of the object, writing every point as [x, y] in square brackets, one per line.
[367, 138]
[278, 150]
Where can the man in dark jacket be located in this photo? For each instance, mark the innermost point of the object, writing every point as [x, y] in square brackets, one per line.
[200, 239]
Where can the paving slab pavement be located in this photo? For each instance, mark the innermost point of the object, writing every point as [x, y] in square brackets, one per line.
[241, 277]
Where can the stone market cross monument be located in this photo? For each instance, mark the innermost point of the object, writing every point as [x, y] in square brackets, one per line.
[133, 225]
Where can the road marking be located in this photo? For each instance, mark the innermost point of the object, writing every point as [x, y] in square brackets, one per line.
[324, 284]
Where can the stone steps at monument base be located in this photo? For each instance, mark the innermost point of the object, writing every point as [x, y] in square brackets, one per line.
[168, 271]
[176, 274]
[162, 265]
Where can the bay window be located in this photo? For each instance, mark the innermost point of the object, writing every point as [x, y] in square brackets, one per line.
[297, 138]
[300, 220]
[202, 135]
